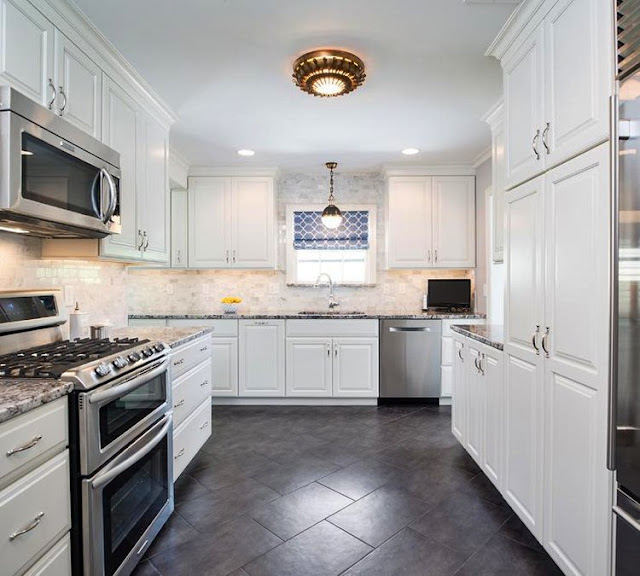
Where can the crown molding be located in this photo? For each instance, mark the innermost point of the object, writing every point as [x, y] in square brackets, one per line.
[493, 117]
[73, 23]
[233, 171]
[429, 170]
[482, 157]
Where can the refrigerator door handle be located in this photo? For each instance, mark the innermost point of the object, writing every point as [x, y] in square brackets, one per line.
[613, 283]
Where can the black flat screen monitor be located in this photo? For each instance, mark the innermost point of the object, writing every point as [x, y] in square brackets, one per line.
[449, 294]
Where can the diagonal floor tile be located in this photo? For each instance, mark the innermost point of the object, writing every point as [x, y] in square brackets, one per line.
[323, 550]
[299, 510]
[361, 478]
[175, 532]
[289, 477]
[381, 514]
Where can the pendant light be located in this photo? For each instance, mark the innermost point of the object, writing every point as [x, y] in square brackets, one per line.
[331, 215]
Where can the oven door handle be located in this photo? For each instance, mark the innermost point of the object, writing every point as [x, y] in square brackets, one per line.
[118, 469]
[618, 511]
[128, 385]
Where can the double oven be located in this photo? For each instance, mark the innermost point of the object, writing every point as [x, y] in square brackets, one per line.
[122, 467]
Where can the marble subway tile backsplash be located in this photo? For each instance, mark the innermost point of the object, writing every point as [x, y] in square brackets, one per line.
[99, 287]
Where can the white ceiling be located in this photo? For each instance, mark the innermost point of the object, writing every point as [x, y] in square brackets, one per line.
[225, 68]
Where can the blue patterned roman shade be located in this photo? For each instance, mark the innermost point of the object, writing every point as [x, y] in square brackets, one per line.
[309, 233]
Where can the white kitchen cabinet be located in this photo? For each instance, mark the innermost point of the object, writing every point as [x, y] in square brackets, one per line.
[492, 370]
[224, 363]
[26, 50]
[355, 367]
[56, 562]
[261, 358]
[190, 436]
[179, 233]
[231, 222]
[495, 119]
[454, 222]
[459, 392]
[78, 80]
[475, 402]
[447, 355]
[309, 367]
[431, 222]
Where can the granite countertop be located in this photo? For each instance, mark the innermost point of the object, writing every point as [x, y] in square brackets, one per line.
[19, 396]
[171, 335]
[297, 316]
[491, 334]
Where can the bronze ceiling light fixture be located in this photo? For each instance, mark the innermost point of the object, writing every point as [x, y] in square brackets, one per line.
[331, 215]
[328, 73]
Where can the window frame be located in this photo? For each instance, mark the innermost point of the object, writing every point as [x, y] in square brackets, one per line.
[372, 252]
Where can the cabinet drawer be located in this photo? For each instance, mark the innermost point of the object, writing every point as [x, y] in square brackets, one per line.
[41, 499]
[56, 562]
[447, 351]
[333, 328]
[187, 356]
[190, 437]
[219, 328]
[26, 439]
[191, 390]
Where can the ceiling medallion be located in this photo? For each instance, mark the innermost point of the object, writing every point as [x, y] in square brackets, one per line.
[327, 73]
[331, 215]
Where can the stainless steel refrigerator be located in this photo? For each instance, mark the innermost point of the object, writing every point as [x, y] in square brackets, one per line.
[624, 439]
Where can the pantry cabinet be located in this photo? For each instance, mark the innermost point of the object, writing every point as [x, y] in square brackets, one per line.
[231, 222]
[261, 358]
[431, 222]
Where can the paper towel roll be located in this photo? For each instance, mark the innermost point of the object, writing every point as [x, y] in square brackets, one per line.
[78, 324]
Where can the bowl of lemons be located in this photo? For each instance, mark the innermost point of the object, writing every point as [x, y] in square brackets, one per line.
[230, 304]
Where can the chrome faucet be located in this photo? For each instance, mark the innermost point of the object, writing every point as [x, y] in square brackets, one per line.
[333, 303]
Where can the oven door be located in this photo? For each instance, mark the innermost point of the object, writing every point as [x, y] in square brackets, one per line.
[113, 415]
[125, 504]
[48, 179]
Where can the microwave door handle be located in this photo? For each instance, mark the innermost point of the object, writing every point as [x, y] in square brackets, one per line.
[128, 385]
[118, 469]
[96, 190]
[113, 196]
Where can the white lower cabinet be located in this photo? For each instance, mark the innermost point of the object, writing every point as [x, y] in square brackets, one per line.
[56, 562]
[224, 365]
[475, 402]
[190, 436]
[309, 367]
[261, 358]
[492, 370]
[355, 367]
[459, 391]
[447, 360]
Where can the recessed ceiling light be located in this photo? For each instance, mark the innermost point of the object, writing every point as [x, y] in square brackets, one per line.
[410, 151]
[245, 152]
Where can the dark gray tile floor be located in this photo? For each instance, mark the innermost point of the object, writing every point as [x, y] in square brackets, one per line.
[306, 491]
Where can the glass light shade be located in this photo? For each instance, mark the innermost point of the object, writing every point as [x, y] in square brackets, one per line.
[329, 85]
[331, 217]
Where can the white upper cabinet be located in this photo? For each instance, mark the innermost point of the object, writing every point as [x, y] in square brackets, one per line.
[495, 119]
[231, 222]
[26, 50]
[78, 81]
[431, 222]
[179, 216]
[523, 83]
[454, 222]
[209, 222]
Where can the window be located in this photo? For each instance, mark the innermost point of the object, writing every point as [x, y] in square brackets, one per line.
[347, 254]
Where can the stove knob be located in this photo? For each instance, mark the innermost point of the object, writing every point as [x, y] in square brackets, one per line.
[120, 362]
[134, 357]
[147, 352]
[102, 369]
[159, 347]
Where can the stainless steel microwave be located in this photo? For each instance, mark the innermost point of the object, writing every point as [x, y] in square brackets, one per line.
[56, 181]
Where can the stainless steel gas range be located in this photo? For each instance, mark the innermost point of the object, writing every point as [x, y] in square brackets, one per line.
[120, 428]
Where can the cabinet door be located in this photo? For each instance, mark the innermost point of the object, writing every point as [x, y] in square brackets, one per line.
[209, 222]
[523, 364]
[79, 82]
[577, 483]
[261, 358]
[121, 132]
[454, 222]
[309, 367]
[493, 376]
[458, 401]
[409, 222]
[497, 246]
[179, 209]
[475, 402]
[252, 221]
[153, 193]
[578, 77]
[523, 102]
[224, 366]
[26, 58]
[355, 367]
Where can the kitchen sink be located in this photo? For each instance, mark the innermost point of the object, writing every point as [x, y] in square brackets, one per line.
[331, 313]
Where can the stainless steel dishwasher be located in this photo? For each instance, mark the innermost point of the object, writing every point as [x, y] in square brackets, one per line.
[410, 352]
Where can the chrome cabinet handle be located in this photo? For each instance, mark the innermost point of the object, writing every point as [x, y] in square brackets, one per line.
[54, 97]
[141, 237]
[204, 349]
[480, 364]
[181, 403]
[544, 342]
[178, 362]
[227, 256]
[435, 252]
[234, 256]
[28, 445]
[204, 425]
[428, 255]
[534, 144]
[146, 240]
[178, 256]
[204, 383]
[328, 351]
[460, 354]
[181, 453]
[475, 361]
[545, 134]
[534, 340]
[30, 527]
[335, 351]
[64, 103]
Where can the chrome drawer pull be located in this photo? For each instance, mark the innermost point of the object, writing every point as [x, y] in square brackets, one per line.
[178, 362]
[179, 404]
[205, 383]
[31, 444]
[204, 425]
[181, 453]
[31, 526]
[204, 349]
